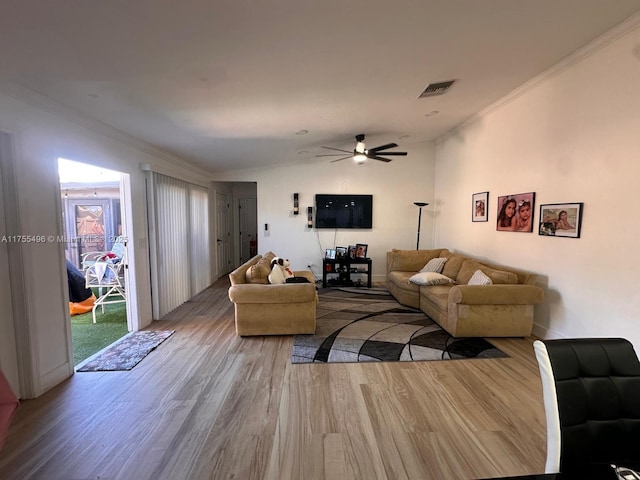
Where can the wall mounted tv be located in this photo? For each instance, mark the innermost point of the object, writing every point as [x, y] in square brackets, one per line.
[344, 211]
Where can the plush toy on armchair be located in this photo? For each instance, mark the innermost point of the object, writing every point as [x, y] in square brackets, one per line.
[280, 270]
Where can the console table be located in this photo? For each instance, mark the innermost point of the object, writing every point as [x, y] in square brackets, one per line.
[344, 268]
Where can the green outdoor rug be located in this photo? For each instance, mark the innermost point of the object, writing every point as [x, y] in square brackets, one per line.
[126, 353]
[367, 325]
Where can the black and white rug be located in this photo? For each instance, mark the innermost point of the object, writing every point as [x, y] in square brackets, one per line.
[126, 353]
[369, 325]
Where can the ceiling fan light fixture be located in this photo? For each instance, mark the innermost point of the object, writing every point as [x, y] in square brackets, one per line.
[360, 158]
[360, 148]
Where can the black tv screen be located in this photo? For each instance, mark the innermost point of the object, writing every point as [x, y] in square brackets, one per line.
[344, 211]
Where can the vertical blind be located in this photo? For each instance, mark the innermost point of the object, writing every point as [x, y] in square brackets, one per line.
[180, 236]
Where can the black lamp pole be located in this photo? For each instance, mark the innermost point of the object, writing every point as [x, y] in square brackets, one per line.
[419, 204]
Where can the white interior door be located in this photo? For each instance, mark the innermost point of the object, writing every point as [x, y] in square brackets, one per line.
[8, 352]
[248, 220]
[223, 233]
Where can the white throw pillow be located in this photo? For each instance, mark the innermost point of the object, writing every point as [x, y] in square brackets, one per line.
[430, 278]
[434, 265]
[479, 278]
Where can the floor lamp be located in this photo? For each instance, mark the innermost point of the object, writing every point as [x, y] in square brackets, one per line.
[419, 204]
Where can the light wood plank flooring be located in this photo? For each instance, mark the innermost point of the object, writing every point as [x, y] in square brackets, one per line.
[210, 405]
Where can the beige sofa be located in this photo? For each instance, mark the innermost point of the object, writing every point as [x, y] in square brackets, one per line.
[264, 309]
[502, 309]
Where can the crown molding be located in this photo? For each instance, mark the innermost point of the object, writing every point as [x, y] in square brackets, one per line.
[626, 27]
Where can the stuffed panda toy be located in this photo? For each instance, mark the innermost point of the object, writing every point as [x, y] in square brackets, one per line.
[280, 270]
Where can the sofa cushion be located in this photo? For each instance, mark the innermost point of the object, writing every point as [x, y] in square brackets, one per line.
[436, 296]
[500, 276]
[479, 278]
[412, 260]
[259, 272]
[239, 275]
[434, 265]
[469, 267]
[454, 262]
[429, 278]
[401, 279]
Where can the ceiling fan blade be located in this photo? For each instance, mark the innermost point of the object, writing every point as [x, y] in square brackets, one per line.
[382, 159]
[343, 158]
[402, 154]
[332, 154]
[338, 149]
[383, 147]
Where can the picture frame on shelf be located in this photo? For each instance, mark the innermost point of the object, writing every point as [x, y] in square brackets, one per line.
[480, 207]
[361, 250]
[330, 254]
[516, 212]
[352, 251]
[560, 220]
[341, 252]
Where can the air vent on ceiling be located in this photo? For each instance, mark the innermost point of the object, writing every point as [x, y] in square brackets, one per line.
[439, 88]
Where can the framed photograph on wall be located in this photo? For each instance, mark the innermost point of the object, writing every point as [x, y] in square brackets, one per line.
[515, 212]
[560, 220]
[480, 207]
[361, 250]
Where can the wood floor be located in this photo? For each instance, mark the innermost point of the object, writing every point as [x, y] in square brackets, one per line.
[210, 405]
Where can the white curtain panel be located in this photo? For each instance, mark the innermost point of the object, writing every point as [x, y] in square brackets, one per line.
[181, 238]
[200, 259]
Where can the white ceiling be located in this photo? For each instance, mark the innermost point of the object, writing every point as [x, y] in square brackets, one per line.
[227, 84]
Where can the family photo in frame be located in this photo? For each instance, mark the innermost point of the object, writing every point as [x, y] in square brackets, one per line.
[480, 207]
[341, 252]
[560, 220]
[515, 212]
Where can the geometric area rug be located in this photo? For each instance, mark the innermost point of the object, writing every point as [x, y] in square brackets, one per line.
[126, 353]
[369, 325]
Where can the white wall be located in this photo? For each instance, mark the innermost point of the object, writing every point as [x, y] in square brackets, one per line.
[41, 135]
[394, 186]
[573, 137]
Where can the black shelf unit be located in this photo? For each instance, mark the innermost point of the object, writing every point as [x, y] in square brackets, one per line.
[344, 268]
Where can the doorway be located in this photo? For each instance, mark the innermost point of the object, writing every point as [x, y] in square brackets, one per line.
[94, 231]
[223, 234]
[248, 223]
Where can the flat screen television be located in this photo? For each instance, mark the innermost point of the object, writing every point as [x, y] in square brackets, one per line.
[344, 211]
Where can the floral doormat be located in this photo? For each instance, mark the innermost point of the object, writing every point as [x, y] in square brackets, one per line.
[126, 353]
[371, 326]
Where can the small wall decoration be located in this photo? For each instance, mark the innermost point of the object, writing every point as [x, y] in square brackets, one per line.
[361, 250]
[515, 212]
[480, 207]
[352, 251]
[560, 220]
[341, 252]
[310, 217]
[296, 208]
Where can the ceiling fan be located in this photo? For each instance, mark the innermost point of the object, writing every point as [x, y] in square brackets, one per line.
[360, 153]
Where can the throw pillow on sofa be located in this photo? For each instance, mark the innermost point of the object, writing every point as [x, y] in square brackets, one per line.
[430, 278]
[479, 278]
[259, 272]
[434, 265]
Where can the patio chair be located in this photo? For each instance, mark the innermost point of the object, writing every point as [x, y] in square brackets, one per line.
[104, 274]
[118, 250]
